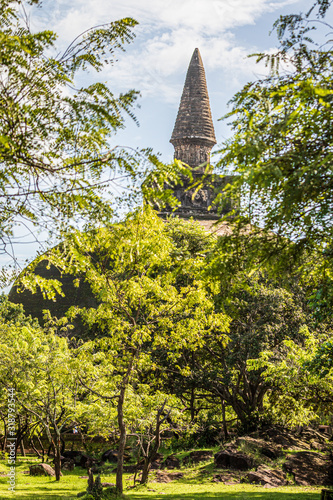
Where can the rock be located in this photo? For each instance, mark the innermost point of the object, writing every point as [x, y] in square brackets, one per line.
[88, 462]
[326, 495]
[79, 457]
[171, 462]
[311, 434]
[110, 456]
[67, 464]
[231, 447]
[108, 485]
[310, 468]
[155, 465]
[84, 460]
[285, 438]
[167, 477]
[71, 454]
[226, 478]
[325, 429]
[132, 468]
[231, 460]
[264, 475]
[41, 470]
[271, 452]
[157, 462]
[268, 449]
[315, 445]
[198, 456]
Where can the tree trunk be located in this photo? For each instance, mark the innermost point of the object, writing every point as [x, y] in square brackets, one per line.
[4, 443]
[42, 449]
[122, 426]
[91, 481]
[192, 404]
[152, 454]
[57, 458]
[145, 471]
[224, 423]
[83, 441]
[122, 440]
[22, 448]
[21, 432]
[33, 446]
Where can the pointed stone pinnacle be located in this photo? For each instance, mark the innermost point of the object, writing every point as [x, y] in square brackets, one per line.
[194, 119]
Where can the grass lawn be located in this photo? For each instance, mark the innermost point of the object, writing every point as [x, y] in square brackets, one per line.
[44, 488]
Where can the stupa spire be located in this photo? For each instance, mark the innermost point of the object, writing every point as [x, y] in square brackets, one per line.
[193, 135]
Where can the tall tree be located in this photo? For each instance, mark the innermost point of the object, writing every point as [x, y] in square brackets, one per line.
[36, 363]
[301, 376]
[282, 146]
[133, 270]
[55, 156]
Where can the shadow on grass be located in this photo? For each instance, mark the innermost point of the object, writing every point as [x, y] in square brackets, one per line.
[232, 495]
[42, 495]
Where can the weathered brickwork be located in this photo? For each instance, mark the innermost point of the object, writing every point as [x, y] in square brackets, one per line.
[193, 138]
[193, 152]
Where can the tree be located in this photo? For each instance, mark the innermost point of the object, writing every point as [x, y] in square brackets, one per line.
[55, 156]
[282, 148]
[262, 316]
[36, 363]
[302, 384]
[263, 312]
[143, 308]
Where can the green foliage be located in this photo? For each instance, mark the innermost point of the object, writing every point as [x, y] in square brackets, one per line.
[263, 315]
[122, 264]
[37, 364]
[191, 240]
[282, 153]
[301, 391]
[13, 314]
[133, 270]
[56, 161]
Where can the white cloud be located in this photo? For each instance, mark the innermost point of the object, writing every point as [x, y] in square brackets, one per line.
[199, 15]
[169, 31]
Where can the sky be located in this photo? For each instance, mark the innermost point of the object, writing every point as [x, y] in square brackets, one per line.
[156, 62]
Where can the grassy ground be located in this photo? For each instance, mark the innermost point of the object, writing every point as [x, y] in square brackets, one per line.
[193, 487]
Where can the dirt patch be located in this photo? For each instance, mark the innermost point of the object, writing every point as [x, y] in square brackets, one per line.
[167, 477]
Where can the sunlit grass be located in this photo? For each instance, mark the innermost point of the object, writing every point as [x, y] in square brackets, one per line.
[192, 487]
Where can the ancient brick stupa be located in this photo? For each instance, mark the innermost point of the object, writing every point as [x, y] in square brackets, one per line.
[193, 137]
